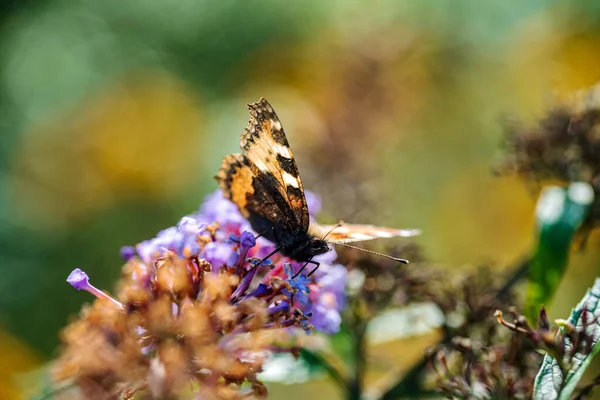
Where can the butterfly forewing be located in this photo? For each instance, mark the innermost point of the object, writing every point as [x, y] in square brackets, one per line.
[271, 160]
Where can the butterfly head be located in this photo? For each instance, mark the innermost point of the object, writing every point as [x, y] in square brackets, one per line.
[318, 246]
[303, 247]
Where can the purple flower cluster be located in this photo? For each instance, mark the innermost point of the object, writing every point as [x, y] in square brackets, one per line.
[221, 236]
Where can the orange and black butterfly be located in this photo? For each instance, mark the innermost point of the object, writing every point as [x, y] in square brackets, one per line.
[265, 184]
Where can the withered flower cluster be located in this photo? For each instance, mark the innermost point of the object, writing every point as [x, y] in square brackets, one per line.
[381, 283]
[564, 342]
[196, 313]
[466, 368]
[506, 367]
[475, 356]
[562, 146]
[477, 359]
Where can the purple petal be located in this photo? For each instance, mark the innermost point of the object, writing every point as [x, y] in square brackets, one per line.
[283, 307]
[190, 226]
[219, 254]
[216, 208]
[326, 320]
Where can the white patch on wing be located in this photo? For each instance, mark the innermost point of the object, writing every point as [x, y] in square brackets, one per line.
[289, 179]
[409, 232]
[283, 151]
[276, 125]
[261, 165]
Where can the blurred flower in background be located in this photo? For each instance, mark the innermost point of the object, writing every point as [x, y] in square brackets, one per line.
[114, 117]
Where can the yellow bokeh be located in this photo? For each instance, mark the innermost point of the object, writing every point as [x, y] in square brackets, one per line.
[138, 137]
[17, 360]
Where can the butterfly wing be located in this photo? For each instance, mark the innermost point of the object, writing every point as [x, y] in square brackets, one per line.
[239, 184]
[272, 163]
[349, 233]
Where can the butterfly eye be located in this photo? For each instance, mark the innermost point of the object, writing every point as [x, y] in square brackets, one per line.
[320, 246]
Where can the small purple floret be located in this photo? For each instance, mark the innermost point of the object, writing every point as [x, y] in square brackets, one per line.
[79, 279]
[219, 254]
[244, 285]
[247, 240]
[261, 290]
[329, 298]
[127, 252]
[217, 208]
[283, 307]
[190, 226]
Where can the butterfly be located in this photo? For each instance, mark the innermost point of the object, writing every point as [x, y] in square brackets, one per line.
[265, 184]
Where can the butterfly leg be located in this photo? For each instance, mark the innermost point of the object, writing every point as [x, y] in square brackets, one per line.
[300, 271]
[315, 268]
[259, 235]
[267, 257]
[304, 266]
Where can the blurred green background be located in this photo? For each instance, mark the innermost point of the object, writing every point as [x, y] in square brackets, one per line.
[114, 117]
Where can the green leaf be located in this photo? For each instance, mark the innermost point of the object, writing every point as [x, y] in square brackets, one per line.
[342, 343]
[559, 213]
[550, 382]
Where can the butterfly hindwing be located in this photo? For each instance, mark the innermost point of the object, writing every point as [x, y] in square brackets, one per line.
[239, 184]
[349, 233]
[265, 145]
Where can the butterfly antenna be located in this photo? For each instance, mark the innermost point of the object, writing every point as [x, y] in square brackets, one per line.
[339, 224]
[401, 260]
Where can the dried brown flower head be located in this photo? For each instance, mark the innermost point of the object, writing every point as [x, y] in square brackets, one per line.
[562, 146]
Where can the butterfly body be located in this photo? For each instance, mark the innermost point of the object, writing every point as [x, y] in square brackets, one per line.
[265, 184]
[299, 246]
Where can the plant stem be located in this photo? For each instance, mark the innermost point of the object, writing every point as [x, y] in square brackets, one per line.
[356, 384]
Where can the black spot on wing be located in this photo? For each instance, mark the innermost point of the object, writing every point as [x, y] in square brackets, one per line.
[288, 165]
[295, 193]
[262, 204]
[279, 137]
[270, 185]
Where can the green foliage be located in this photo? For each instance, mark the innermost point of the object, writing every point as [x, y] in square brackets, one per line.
[560, 212]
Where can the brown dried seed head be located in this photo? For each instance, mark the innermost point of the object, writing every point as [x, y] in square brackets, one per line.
[225, 315]
[258, 312]
[218, 287]
[137, 271]
[194, 324]
[172, 276]
[133, 294]
[160, 319]
[177, 363]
